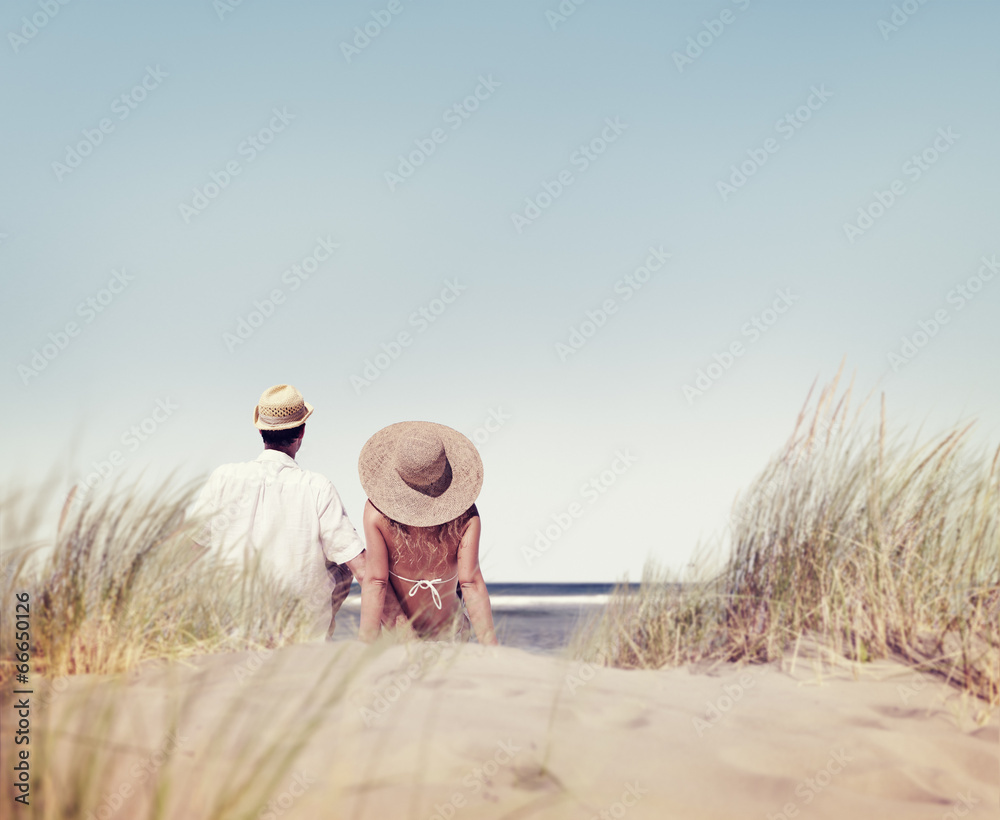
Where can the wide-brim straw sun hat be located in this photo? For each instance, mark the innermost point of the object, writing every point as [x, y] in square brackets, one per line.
[280, 408]
[420, 473]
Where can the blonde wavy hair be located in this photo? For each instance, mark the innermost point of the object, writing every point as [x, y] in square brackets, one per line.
[413, 541]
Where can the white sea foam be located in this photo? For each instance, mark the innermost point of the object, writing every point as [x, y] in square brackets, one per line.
[500, 603]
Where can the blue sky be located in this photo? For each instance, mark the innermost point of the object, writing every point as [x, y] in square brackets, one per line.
[824, 107]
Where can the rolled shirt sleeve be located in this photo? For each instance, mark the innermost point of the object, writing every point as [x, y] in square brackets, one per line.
[339, 539]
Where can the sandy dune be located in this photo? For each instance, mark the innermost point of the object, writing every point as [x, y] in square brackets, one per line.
[427, 731]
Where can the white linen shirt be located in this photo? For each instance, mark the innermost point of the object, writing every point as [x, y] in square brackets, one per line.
[291, 520]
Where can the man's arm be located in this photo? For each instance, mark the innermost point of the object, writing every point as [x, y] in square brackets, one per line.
[474, 592]
[341, 545]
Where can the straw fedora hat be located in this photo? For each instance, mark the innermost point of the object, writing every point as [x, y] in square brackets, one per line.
[420, 473]
[281, 407]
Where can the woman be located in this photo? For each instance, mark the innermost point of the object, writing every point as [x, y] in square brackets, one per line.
[422, 527]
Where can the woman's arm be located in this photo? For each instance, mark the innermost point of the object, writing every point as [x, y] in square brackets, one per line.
[375, 576]
[474, 592]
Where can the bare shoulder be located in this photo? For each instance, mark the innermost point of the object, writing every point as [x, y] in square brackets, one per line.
[374, 520]
[473, 516]
[475, 525]
[473, 530]
[372, 516]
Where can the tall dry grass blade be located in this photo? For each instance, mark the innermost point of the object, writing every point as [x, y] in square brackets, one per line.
[870, 546]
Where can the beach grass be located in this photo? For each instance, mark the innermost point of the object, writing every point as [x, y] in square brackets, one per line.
[853, 538]
[123, 582]
[120, 586]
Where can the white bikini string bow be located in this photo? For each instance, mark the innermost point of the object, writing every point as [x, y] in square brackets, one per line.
[435, 595]
[425, 584]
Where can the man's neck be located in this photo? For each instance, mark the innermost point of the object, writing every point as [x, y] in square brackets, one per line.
[284, 450]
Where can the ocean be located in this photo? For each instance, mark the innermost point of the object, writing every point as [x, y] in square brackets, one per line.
[537, 617]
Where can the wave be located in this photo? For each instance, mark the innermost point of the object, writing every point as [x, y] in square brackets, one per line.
[501, 602]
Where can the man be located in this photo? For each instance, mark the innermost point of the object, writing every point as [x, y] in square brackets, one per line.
[291, 520]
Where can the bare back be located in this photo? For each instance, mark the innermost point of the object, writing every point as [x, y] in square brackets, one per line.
[424, 567]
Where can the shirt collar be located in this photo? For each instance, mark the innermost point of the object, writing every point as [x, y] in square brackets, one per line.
[279, 457]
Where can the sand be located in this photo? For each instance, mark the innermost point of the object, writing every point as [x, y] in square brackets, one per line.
[428, 731]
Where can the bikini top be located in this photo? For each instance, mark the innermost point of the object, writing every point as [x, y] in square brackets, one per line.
[424, 584]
